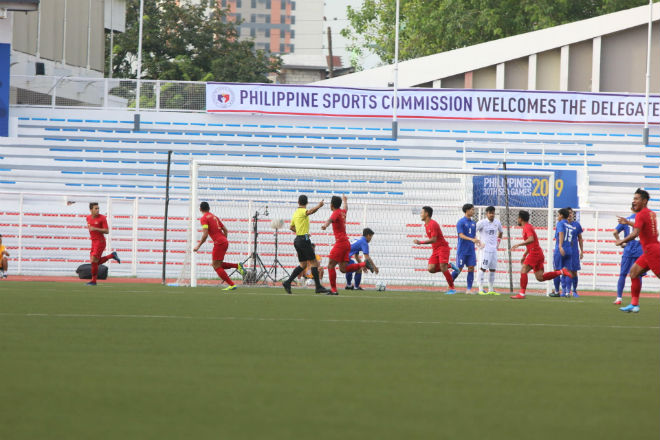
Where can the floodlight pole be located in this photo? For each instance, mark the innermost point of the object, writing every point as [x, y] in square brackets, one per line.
[139, 60]
[645, 136]
[395, 123]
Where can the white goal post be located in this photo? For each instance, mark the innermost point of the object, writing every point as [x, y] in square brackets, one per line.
[388, 197]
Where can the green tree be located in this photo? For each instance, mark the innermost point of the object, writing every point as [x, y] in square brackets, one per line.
[188, 41]
[433, 26]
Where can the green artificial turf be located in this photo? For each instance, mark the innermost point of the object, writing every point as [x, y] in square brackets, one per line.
[138, 361]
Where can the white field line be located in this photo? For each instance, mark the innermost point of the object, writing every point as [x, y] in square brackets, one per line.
[355, 321]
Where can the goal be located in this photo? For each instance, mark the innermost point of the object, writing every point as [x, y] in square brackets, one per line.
[386, 199]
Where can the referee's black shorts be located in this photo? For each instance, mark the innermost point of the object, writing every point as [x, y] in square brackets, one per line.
[303, 245]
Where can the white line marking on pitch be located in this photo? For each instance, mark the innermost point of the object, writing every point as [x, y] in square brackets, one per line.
[357, 321]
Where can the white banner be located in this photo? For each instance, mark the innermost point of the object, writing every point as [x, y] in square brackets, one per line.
[490, 105]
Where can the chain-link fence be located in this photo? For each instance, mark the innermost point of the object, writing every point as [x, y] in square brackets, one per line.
[107, 93]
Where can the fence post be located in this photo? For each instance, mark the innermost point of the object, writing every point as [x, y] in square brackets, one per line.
[53, 96]
[134, 238]
[105, 92]
[593, 283]
[157, 95]
[109, 217]
[20, 234]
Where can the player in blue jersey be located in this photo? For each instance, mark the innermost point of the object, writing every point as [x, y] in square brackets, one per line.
[563, 255]
[631, 252]
[360, 245]
[465, 253]
[577, 245]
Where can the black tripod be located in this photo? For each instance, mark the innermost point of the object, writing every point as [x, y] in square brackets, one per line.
[258, 273]
[272, 272]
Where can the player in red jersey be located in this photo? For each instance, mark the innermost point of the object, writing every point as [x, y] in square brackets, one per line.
[339, 255]
[98, 226]
[212, 226]
[533, 257]
[440, 256]
[646, 227]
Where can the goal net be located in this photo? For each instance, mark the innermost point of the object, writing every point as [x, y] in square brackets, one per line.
[252, 199]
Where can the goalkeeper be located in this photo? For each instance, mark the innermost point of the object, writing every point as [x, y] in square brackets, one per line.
[360, 245]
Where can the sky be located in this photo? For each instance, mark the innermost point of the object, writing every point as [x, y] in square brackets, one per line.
[335, 14]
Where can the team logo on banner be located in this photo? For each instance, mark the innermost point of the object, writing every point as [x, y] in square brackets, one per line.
[223, 97]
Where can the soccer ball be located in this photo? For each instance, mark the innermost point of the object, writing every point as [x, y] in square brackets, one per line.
[309, 282]
[381, 286]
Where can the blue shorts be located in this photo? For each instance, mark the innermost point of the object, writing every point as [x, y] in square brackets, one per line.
[626, 265]
[352, 261]
[576, 261]
[468, 259]
[559, 262]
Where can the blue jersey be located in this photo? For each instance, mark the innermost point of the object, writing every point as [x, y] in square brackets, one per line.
[360, 245]
[576, 233]
[568, 230]
[467, 227]
[633, 248]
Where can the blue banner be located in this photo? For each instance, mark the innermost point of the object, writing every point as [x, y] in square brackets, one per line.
[4, 89]
[526, 191]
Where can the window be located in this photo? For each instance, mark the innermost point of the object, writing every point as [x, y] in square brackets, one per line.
[267, 32]
[238, 18]
[293, 34]
[293, 6]
[267, 4]
[282, 48]
[238, 3]
[267, 18]
[253, 18]
[253, 32]
[291, 47]
[253, 4]
[293, 19]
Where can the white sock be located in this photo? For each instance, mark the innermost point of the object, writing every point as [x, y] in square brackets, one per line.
[491, 281]
[480, 280]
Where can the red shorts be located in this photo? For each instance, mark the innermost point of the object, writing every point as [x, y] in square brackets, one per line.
[219, 250]
[535, 261]
[97, 249]
[650, 259]
[439, 256]
[340, 251]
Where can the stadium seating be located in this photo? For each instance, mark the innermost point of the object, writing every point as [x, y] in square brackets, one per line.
[79, 155]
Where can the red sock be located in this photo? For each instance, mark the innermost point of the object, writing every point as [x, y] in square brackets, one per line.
[95, 271]
[104, 259]
[332, 274]
[551, 275]
[229, 265]
[223, 275]
[523, 282]
[449, 278]
[635, 290]
[354, 267]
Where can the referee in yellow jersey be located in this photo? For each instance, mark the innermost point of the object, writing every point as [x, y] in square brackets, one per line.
[303, 244]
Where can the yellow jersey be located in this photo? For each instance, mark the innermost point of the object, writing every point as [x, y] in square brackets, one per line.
[2, 250]
[300, 220]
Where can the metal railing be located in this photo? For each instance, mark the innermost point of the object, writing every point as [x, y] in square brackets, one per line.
[107, 93]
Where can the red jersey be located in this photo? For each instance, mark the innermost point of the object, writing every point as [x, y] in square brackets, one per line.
[646, 222]
[433, 230]
[533, 247]
[214, 226]
[98, 222]
[338, 218]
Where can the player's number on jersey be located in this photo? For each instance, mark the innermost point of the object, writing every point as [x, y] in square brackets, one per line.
[541, 187]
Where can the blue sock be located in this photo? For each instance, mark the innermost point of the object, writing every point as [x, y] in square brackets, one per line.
[564, 284]
[557, 280]
[456, 273]
[349, 278]
[575, 282]
[620, 285]
[358, 279]
[470, 279]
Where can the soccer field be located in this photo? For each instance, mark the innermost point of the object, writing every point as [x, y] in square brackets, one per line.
[144, 361]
